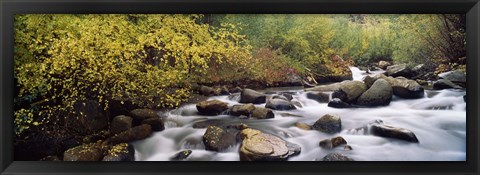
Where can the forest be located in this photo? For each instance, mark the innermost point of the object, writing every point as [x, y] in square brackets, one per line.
[74, 73]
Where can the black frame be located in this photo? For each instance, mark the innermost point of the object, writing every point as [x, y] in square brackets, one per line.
[9, 8]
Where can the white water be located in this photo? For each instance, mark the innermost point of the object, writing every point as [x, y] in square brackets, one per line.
[438, 121]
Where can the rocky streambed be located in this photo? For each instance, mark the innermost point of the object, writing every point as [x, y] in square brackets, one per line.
[371, 118]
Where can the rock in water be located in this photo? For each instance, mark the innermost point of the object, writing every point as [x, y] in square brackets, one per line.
[320, 97]
[445, 84]
[336, 157]
[205, 90]
[379, 94]
[329, 124]
[383, 64]
[120, 152]
[120, 123]
[303, 126]
[212, 107]
[139, 115]
[156, 124]
[332, 142]
[218, 139]
[136, 133]
[399, 70]
[393, 132]
[406, 88]
[337, 103]
[238, 110]
[86, 152]
[456, 76]
[251, 96]
[349, 90]
[182, 155]
[262, 113]
[279, 104]
[258, 146]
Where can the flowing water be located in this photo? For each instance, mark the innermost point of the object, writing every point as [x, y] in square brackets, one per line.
[438, 120]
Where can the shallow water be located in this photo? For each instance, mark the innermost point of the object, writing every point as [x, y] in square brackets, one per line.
[438, 120]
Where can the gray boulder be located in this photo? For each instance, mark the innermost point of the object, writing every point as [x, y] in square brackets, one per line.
[218, 139]
[86, 152]
[349, 90]
[458, 77]
[337, 103]
[329, 124]
[182, 155]
[399, 70]
[320, 97]
[332, 142]
[139, 115]
[383, 64]
[336, 157]
[379, 94]
[238, 110]
[156, 124]
[212, 107]
[406, 88]
[120, 123]
[279, 104]
[445, 84]
[251, 96]
[262, 113]
[133, 134]
[258, 146]
[383, 130]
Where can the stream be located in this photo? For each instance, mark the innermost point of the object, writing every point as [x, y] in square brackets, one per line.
[438, 121]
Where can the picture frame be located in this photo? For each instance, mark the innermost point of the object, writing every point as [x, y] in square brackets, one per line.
[9, 8]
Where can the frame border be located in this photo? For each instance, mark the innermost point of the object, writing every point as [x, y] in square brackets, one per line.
[9, 8]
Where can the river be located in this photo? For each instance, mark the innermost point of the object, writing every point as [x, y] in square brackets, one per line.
[438, 120]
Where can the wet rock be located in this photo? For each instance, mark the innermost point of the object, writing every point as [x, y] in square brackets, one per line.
[337, 103]
[212, 107]
[303, 126]
[458, 77]
[329, 124]
[251, 96]
[369, 80]
[332, 142]
[336, 157]
[258, 146]
[156, 124]
[120, 123]
[218, 139]
[445, 84]
[383, 130]
[238, 110]
[182, 155]
[120, 152]
[406, 88]
[206, 123]
[399, 70]
[325, 88]
[350, 90]
[279, 104]
[347, 147]
[286, 97]
[262, 113]
[320, 97]
[86, 152]
[139, 115]
[383, 64]
[379, 94]
[136, 133]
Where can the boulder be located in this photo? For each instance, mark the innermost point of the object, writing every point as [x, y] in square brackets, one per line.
[458, 77]
[218, 139]
[156, 124]
[332, 142]
[235, 89]
[251, 96]
[320, 97]
[369, 80]
[120, 123]
[406, 88]
[212, 107]
[139, 115]
[337, 103]
[86, 152]
[336, 157]
[325, 88]
[445, 84]
[399, 70]
[286, 97]
[136, 133]
[383, 64]
[279, 104]
[379, 94]
[303, 126]
[182, 155]
[120, 152]
[383, 130]
[238, 110]
[262, 113]
[349, 90]
[329, 124]
[258, 146]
